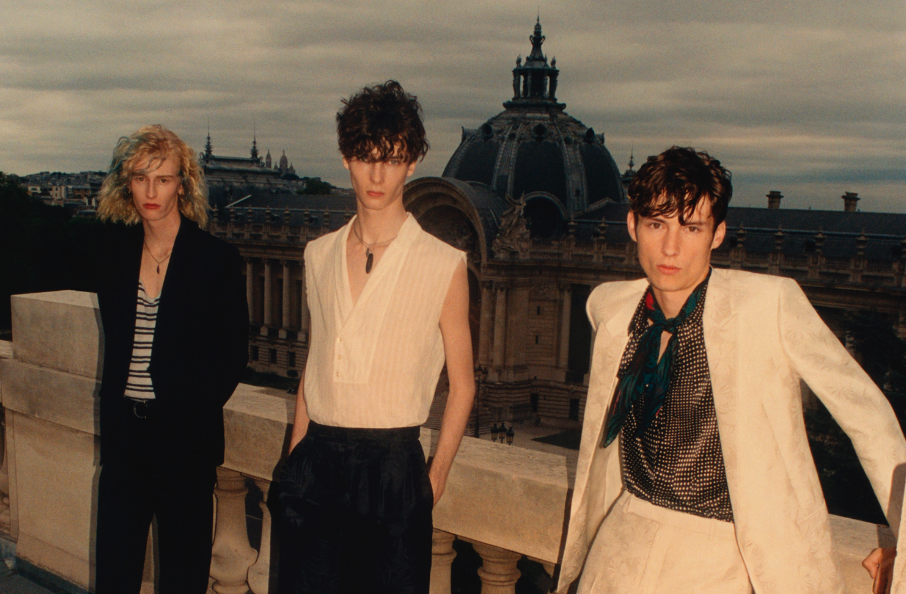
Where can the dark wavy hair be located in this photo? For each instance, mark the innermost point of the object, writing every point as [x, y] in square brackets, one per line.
[676, 180]
[381, 122]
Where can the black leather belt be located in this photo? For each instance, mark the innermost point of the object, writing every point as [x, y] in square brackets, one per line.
[141, 408]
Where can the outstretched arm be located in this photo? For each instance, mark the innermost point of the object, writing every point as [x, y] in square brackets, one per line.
[454, 327]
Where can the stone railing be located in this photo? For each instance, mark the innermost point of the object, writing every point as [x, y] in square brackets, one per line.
[507, 502]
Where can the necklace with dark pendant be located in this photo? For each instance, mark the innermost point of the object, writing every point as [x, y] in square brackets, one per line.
[369, 255]
[159, 262]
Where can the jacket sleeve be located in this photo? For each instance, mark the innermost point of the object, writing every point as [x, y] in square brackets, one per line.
[856, 403]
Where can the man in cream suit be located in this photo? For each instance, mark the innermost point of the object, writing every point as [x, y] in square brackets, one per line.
[694, 473]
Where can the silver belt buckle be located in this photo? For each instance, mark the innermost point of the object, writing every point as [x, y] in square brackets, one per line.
[141, 409]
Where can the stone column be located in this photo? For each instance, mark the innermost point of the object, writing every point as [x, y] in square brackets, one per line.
[500, 325]
[232, 555]
[485, 329]
[303, 308]
[250, 287]
[442, 555]
[566, 292]
[268, 287]
[259, 573]
[498, 573]
[285, 325]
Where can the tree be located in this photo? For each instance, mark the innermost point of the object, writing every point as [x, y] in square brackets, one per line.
[315, 187]
[42, 248]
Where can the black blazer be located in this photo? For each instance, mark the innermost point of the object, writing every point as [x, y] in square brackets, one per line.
[200, 347]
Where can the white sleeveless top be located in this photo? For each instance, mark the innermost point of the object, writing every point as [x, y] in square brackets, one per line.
[375, 364]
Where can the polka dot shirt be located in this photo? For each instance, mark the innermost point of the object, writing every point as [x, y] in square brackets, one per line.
[677, 462]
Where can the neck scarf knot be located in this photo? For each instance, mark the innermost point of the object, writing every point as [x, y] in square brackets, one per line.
[647, 378]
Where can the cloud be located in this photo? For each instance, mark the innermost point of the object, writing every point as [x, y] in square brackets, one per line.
[803, 97]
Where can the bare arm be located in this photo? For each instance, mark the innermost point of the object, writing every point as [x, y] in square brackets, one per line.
[454, 327]
[300, 423]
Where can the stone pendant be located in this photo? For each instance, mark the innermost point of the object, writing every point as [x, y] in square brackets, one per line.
[369, 261]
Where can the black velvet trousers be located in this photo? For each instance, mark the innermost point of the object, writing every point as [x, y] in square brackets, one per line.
[137, 485]
[356, 507]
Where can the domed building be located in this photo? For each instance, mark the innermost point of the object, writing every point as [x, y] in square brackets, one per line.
[535, 199]
[532, 159]
[535, 152]
[529, 174]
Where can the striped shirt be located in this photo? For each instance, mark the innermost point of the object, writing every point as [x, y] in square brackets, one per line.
[138, 384]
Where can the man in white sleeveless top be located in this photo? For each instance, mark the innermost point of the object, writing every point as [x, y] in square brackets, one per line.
[389, 306]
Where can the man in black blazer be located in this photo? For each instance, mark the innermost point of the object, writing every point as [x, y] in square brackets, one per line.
[175, 321]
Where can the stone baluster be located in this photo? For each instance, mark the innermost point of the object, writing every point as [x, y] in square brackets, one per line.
[442, 555]
[259, 573]
[232, 555]
[498, 573]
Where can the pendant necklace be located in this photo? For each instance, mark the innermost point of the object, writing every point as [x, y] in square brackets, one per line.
[369, 255]
[159, 262]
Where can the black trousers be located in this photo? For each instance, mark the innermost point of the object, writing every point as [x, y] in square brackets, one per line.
[356, 507]
[134, 487]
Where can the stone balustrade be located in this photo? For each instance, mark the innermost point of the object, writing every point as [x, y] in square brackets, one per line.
[507, 502]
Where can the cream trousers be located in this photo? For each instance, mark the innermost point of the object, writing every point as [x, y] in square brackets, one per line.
[645, 549]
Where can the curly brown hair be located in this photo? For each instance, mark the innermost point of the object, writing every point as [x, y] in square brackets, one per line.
[676, 180]
[154, 143]
[381, 122]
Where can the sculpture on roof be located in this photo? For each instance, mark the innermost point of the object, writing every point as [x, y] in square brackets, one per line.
[513, 235]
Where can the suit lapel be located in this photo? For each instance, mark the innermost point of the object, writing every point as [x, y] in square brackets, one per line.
[610, 342]
[721, 329]
[176, 269]
[126, 279]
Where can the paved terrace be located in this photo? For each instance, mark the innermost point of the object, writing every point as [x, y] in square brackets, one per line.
[508, 502]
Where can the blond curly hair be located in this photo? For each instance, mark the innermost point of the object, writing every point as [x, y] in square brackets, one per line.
[154, 143]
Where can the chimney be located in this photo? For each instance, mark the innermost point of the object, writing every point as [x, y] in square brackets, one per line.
[849, 201]
[774, 199]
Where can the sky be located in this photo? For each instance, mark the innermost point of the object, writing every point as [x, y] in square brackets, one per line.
[807, 98]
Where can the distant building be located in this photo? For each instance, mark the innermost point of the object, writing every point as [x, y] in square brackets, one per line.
[538, 203]
[237, 170]
[232, 179]
[75, 191]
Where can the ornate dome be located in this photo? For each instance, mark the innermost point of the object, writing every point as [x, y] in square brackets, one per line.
[534, 151]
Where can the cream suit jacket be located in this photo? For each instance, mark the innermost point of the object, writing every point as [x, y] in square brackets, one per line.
[762, 336]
